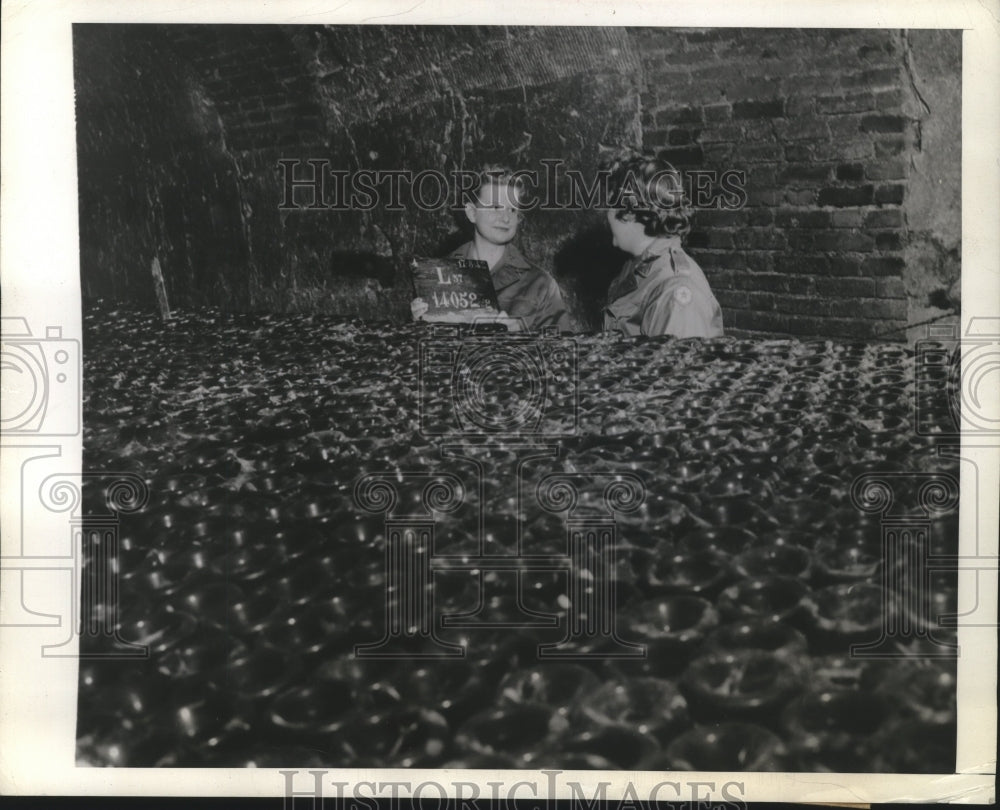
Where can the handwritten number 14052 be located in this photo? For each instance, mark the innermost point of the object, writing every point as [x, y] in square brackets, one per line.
[452, 299]
[455, 300]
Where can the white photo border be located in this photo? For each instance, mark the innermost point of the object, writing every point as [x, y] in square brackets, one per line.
[39, 261]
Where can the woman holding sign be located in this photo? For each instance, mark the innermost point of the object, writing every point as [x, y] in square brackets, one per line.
[528, 297]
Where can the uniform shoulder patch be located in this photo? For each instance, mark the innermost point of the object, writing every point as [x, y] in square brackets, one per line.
[682, 295]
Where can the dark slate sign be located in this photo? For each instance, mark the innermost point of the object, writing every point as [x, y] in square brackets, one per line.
[452, 284]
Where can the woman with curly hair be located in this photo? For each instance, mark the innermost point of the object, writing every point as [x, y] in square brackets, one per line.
[660, 290]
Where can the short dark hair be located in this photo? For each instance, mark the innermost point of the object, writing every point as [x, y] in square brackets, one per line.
[651, 191]
[495, 174]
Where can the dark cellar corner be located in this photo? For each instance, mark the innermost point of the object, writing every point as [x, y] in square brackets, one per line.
[849, 140]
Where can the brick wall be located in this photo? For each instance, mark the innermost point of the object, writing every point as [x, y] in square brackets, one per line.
[369, 97]
[822, 123]
[815, 121]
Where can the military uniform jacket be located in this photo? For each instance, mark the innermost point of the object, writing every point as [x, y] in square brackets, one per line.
[663, 292]
[525, 291]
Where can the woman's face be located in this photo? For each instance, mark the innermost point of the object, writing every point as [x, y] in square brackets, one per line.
[496, 216]
[626, 234]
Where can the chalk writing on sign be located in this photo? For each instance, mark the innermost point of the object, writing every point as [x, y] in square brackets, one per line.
[453, 285]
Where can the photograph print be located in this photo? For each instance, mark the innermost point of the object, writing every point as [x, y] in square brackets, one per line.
[520, 397]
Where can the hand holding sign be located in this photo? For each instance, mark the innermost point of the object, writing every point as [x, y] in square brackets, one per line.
[419, 308]
[453, 290]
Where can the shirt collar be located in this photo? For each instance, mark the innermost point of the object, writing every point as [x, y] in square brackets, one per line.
[643, 264]
[512, 257]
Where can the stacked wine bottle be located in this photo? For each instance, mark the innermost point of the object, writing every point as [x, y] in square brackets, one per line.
[747, 574]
